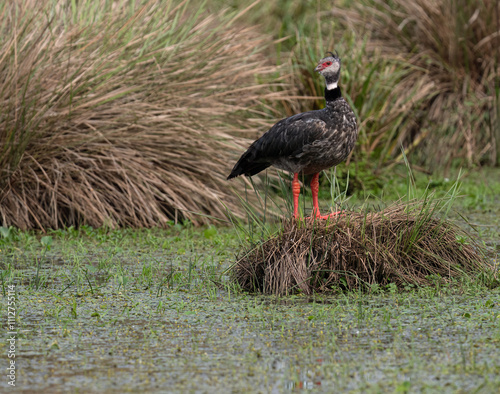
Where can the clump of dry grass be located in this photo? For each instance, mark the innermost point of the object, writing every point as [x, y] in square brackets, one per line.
[450, 50]
[403, 244]
[123, 114]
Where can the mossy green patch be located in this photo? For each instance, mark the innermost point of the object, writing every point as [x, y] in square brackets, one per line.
[123, 310]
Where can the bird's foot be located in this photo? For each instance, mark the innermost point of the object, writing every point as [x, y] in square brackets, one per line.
[317, 216]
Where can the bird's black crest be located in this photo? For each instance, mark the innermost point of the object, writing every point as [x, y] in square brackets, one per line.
[335, 55]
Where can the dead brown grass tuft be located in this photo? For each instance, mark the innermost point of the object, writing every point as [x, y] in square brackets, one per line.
[123, 116]
[402, 244]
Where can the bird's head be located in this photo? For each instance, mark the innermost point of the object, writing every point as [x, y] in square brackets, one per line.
[329, 67]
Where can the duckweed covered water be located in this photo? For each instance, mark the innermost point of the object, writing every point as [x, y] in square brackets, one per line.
[153, 311]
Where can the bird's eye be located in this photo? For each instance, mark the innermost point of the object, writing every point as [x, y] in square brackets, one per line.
[328, 64]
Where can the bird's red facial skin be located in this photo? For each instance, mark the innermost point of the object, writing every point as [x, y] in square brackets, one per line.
[324, 65]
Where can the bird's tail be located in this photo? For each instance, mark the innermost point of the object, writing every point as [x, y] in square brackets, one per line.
[247, 165]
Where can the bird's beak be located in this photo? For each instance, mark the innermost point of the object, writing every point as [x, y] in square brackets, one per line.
[318, 68]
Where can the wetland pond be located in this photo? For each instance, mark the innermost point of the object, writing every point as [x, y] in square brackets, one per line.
[153, 311]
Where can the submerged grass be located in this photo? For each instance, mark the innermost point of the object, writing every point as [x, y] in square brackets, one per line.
[155, 310]
[119, 310]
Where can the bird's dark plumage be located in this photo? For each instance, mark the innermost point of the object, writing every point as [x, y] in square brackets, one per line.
[309, 142]
[305, 143]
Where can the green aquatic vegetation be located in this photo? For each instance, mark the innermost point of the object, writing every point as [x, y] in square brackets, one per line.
[160, 320]
[156, 310]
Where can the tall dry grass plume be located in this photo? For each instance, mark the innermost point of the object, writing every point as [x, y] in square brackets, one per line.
[123, 113]
[450, 50]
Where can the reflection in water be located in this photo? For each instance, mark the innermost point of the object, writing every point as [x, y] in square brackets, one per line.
[306, 379]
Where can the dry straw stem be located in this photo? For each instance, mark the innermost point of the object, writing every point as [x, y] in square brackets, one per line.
[124, 114]
[450, 50]
[403, 244]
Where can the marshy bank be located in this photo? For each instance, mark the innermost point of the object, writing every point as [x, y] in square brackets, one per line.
[118, 310]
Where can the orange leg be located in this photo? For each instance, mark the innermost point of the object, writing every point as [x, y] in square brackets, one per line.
[315, 189]
[295, 192]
